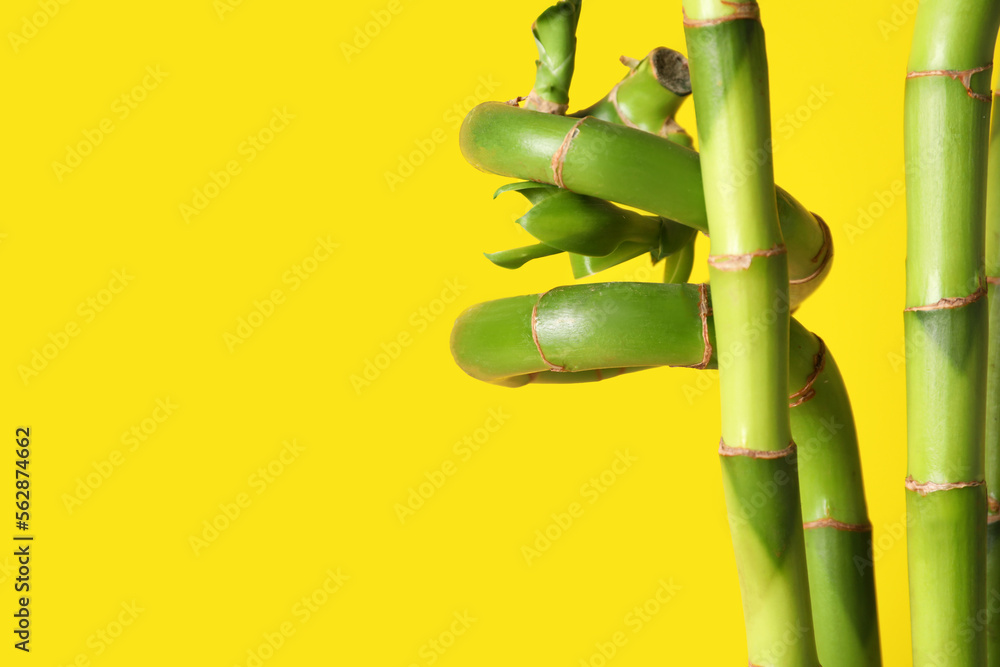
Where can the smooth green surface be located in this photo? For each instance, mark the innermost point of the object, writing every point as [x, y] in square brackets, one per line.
[623, 165]
[946, 140]
[643, 101]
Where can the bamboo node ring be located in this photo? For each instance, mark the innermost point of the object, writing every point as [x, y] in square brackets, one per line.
[560, 155]
[963, 75]
[923, 488]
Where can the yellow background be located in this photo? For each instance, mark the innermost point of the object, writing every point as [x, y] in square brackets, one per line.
[333, 506]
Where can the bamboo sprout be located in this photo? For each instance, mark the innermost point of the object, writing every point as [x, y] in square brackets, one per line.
[586, 333]
[635, 168]
[555, 38]
[946, 131]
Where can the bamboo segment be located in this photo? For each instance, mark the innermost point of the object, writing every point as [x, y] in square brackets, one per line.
[947, 123]
[750, 281]
[598, 331]
[631, 167]
[648, 97]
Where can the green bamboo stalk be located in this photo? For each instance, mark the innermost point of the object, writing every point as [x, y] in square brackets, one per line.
[631, 167]
[749, 273]
[555, 39]
[649, 96]
[946, 137]
[602, 330]
[993, 393]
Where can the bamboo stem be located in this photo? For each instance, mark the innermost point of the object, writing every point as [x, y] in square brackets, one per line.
[631, 167]
[648, 97]
[749, 273]
[599, 331]
[947, 124]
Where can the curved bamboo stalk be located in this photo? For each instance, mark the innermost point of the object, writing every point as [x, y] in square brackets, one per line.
[947, 124]
[631, 167]
[586, 333]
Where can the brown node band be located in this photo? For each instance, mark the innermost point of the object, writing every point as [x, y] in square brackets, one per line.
[742, 11]
[703, 311]
[807, 391]
[825, 251]
[545, 106]
[993, 280]
[993, 505]
[950, 302]
[613, 98]
[992, 518]
[726, 450]
[516, 101]
[963, 75]
[742, 262]
[838, 525]
[560, 155]
[534, 337]
[923, 488]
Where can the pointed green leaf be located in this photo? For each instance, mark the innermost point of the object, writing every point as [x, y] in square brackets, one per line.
[515, 258]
